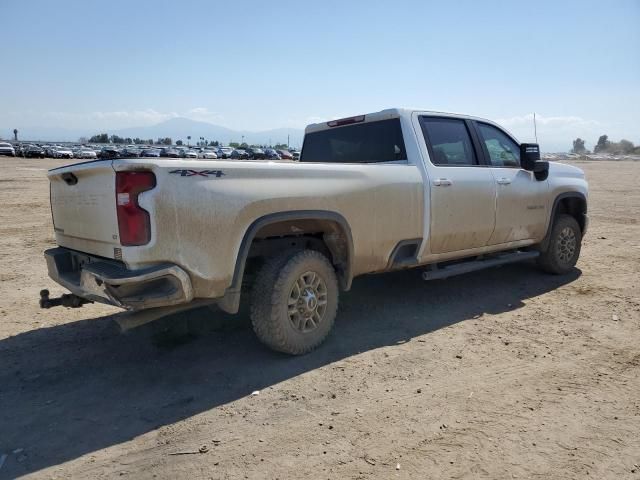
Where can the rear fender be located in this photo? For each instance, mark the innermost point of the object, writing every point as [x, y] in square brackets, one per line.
[231, 300]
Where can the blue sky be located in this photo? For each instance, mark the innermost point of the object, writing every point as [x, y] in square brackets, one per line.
[267, 64]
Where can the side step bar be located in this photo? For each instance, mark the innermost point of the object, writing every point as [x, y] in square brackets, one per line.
[471, 266]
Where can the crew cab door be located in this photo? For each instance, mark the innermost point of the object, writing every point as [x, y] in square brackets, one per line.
[521, 201]
[462, 191]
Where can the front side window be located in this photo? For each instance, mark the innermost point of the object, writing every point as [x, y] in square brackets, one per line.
[449, 140]
[370, 142]
[502, 150]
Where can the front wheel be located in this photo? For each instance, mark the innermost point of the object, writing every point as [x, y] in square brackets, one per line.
[564, 246]
[294, 301]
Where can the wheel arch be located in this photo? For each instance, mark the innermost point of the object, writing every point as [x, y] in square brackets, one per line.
[571, 203]
[336, 236]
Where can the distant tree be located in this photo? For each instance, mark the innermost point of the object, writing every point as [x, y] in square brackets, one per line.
[179, 143]
[244, 145]
[116, 139]
[82, 140]
[578, 146]
[602, 145]
[188, 139]
[626, 146]
[15, 134]
[100, 138]
[234, 144]
[281, 146]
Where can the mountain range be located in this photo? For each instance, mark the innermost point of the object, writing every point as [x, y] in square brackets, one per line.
[176, 128]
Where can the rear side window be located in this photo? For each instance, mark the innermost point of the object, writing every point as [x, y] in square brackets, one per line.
[503, 152]
[449, 141]
[371, 142]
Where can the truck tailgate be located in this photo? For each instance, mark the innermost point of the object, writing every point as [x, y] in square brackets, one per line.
[83, 206]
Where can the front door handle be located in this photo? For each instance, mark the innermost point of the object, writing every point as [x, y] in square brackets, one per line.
[442, 182]
[503, 181]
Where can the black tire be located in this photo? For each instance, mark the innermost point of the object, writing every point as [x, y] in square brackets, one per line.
[294, 328]
[564, 246]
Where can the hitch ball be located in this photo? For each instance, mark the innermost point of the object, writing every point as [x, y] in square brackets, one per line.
[44, 299]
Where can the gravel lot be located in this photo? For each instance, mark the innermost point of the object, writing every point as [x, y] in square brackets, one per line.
[505, 373]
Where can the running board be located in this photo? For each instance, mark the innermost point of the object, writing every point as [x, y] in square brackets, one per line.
[473, 265]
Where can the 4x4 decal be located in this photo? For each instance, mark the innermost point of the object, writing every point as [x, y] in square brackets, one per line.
[198, 173]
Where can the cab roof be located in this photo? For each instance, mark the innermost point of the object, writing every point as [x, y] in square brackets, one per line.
[390, 113]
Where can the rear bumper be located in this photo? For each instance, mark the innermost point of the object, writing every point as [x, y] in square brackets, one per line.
[110, 282]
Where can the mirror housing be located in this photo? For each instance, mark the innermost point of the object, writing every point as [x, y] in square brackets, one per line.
[541, 170]
[529, 155]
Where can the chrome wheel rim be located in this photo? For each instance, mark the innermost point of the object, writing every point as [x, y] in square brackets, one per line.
[307, 303]
[566, 245]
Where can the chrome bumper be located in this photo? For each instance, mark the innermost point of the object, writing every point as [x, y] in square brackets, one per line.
[110, 282]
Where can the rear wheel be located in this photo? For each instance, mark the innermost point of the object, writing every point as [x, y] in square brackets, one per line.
[564, 246]
[294, 301]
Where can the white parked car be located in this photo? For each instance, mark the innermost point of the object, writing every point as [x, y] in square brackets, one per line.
[224, 152]
[208, 154]
[190, 154]
[7, 149]
[62, 152]
[85, 153]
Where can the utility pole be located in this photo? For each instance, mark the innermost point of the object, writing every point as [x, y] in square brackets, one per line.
[535, 128]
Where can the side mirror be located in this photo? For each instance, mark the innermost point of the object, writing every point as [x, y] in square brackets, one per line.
[530, 160]
[529, 155]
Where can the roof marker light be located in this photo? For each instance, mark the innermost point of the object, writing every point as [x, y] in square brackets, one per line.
[346, 121]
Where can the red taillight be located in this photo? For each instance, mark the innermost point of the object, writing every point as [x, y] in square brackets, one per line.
[133, 221]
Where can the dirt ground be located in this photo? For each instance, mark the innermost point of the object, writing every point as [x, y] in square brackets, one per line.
[505, 373]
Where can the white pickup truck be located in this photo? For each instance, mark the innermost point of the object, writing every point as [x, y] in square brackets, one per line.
[372, 193]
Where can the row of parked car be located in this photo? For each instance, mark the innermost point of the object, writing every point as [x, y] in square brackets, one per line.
[129, 151]
[41, 151]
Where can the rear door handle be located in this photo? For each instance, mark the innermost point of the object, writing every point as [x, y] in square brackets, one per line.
[504, 181]
[442, 182]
